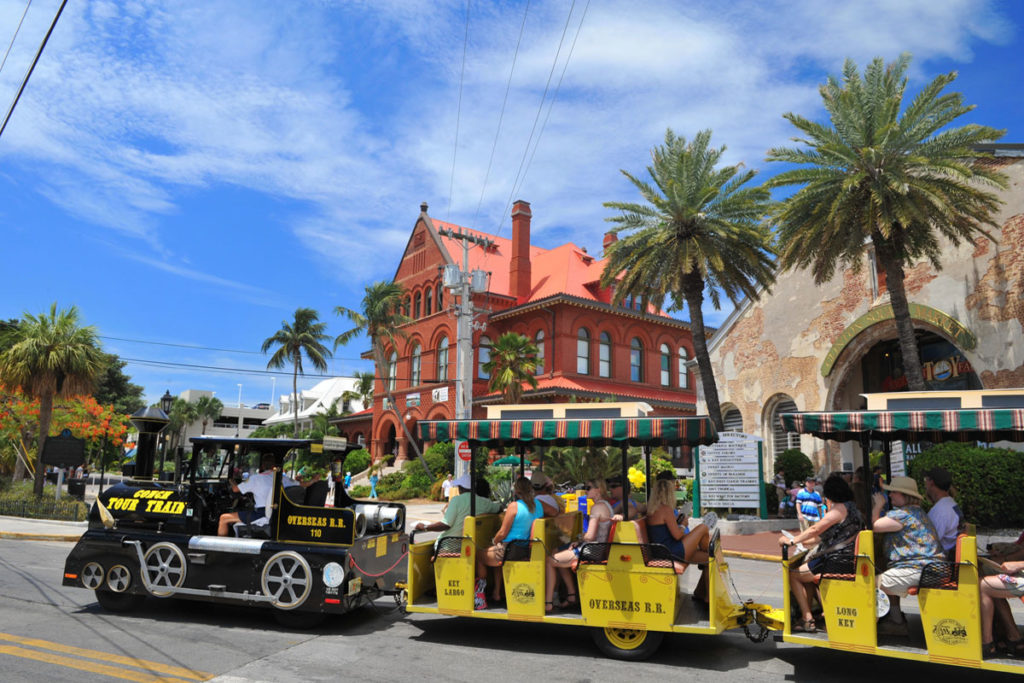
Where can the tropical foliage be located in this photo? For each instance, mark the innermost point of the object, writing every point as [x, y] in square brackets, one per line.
[897, 178]
[304, 336]
[363, 391]
[47, 356]
[513, 361]
[700, 228]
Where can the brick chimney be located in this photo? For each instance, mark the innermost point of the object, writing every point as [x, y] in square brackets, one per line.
[610, 238]
[519, 268]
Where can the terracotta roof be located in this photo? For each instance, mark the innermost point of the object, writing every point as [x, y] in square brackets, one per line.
[574, 386]
[353, 417]
[566, 269]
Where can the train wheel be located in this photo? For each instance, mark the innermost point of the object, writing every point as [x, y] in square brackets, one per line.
[119, 578]
[631, 644]
[164, 564]
[286, 579]
[92, 575]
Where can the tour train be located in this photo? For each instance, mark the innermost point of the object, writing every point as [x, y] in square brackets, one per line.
[316, 561]
[312, 559]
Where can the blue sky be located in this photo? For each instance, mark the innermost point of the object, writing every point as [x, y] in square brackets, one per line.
[189, 173]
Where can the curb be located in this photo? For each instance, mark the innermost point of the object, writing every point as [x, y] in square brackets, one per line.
[21, 536]
[750, 556]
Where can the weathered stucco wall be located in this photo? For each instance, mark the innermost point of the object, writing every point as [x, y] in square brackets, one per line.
[777, 345]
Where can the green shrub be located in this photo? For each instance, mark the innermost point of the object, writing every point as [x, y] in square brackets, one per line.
[361, 491]
[439, 459]
[357, 461]
[988, 482]
[416, 481]
[17, 500]
[389, 484]
[771, 495]
[796, 465]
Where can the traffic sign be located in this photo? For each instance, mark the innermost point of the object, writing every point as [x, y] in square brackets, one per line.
[464, 450]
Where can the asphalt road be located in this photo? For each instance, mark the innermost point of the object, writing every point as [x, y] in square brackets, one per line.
[48, 632]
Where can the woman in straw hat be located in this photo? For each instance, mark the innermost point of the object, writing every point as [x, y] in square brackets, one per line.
[910, 544]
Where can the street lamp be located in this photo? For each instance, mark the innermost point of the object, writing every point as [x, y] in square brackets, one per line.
[166, 401]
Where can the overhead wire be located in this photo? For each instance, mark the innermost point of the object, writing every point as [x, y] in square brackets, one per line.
[14, 37]
[199, 347]
[458, 115]
[35, 60]
[242, 371]
[501, 116]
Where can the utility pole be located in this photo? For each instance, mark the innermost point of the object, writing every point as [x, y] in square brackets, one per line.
[463, 284]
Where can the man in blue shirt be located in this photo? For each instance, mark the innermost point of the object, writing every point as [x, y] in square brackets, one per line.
[808, 502]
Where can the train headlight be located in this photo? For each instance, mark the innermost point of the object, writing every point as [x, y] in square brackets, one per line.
[334, 574]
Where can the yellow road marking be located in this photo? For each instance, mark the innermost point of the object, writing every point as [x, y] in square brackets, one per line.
[152, 667]
[83, 665]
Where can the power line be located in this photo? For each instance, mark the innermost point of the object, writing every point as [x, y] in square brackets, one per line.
[458, 114]
[540, 108]
[16, 31]
[201, 348]
[501, 116]
[35, 60]
[248, 371]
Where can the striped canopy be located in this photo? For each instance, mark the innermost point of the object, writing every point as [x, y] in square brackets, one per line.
[987, 425]
[634, 431]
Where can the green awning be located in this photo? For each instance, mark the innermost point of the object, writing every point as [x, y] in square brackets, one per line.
[634, 431]
[1000, 424]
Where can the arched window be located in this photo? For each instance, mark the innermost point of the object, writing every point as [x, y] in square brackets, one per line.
[733, 420]
[416, 307]
[442, 360]
[392, 370]
[604, 355]
[406, 306]
[684, 374]
[781, 439]
[583, 352]
[417, 357]
[636, 360]
[440, 298]
[428, 301]
[484, 356]
[666, 365]
[539, 341]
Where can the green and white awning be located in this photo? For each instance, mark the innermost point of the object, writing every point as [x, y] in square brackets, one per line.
[1005, 424]
[657, 431]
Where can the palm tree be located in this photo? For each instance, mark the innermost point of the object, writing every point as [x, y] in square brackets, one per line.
[303, 336]
[698, 228]
[363, 391]
[208, 408]
[513, 361]
[887, 177]
[49, 356]
[381, 320]
[182, 415]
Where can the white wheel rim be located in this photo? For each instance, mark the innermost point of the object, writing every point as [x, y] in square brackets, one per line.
[119, 578]
[92, 575]
[286, 580]
[164, 565]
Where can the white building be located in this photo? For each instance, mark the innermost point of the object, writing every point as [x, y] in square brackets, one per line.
[233, 420]
[317, 400]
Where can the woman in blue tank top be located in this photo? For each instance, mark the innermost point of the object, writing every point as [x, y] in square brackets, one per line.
[515, 526]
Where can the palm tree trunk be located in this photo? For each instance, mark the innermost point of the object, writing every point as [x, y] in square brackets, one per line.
[45, 417]
[693, 291]
[378, 357]
[895, 283]
[295, 401]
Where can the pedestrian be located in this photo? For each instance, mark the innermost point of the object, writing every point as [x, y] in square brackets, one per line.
[373, 485]
[446, 488]
[348, 480]
[808, 505]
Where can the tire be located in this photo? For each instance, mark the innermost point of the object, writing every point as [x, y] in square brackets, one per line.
[632, 645]
[119, 602]
[164, 565]
[301, 621]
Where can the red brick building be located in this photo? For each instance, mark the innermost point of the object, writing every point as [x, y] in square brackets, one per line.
[590, 348]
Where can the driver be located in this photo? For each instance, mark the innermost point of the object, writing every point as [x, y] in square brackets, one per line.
[261, 487]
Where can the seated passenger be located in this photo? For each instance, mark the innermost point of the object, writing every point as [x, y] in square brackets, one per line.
[543, 491]
[945, 514]
[615, 493]
[663, 526]
[515, 526]
[994, 591]
[597, 532]
[458, 509]
[261, 486]
[835, 535]
[910, 544]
